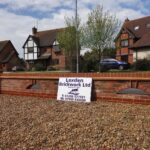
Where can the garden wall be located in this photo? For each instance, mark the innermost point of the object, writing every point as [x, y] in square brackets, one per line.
[105, 85]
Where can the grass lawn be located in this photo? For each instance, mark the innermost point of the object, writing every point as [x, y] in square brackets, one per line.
[56, 71]
[35, 123]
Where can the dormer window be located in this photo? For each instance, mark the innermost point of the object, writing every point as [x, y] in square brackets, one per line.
[136, 28]
[148, 25]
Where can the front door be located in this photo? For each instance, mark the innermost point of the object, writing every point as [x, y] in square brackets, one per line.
[124, 58]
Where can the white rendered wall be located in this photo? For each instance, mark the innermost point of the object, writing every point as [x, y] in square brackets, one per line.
[141, 54]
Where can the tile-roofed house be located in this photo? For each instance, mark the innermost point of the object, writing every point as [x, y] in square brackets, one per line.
[133, 40]
[9, 57]
[42, 48]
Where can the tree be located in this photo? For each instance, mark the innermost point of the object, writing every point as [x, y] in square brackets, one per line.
[99, 31]
[67, 41]
[90, 61]
[109, 52]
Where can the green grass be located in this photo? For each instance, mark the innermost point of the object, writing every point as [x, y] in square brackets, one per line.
[56, 71]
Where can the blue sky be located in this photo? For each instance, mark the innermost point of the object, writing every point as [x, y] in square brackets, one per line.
[19, 16]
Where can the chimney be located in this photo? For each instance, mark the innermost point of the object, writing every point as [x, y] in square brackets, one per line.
[126, 20]
[34, 30]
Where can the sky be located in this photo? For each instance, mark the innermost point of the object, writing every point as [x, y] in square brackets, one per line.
[17, 17]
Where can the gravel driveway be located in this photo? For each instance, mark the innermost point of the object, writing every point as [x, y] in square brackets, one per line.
[34, 123]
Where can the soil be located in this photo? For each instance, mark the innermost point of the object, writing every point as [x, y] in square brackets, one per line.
[28, 123]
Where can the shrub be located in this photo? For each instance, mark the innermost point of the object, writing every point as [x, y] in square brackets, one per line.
[39, 67]
[142, 65]
[51, 68]
[104, 68]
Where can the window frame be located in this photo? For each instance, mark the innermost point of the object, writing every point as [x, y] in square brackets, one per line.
[55, 61]
[30, 49]
[124, 43]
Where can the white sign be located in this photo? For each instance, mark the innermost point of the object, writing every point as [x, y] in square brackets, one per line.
[74, 89]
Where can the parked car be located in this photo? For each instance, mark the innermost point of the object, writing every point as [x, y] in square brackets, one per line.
[110, 63]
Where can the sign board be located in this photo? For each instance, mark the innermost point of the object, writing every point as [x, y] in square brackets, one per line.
[74, 89]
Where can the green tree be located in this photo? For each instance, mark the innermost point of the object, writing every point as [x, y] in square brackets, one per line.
[99, 31]
[109, 52]
[90, 61]
[67, 41]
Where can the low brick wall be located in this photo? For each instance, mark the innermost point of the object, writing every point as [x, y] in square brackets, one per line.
[105, 85]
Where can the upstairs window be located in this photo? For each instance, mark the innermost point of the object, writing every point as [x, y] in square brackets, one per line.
[30, 43]
[55, 61]
[124, 43]
[30, 49]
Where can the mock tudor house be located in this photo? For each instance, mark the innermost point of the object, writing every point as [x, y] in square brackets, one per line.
[42, 47]
[9, 57]
[133, 41]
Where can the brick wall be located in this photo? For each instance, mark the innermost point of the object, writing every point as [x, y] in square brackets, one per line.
[61, 57]
[121, 51]
[124, 51]
[55, 55]
[124, 36]
[105, 85]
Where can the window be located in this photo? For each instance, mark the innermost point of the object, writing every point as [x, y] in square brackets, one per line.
[30, 43]
[30, 49]
[55, 61]
[31, 62]
[136, 27]
[124, 43]
[56, 48]
[148, 25]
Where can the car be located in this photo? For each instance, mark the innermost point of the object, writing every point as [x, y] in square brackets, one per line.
[111, 63]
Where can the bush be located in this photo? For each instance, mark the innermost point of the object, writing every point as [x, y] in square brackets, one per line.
[51, 68]
[142, 65]
[89, 66]
[39, 67]
[104, 68]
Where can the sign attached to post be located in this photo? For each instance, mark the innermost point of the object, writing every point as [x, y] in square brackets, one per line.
[74, 89]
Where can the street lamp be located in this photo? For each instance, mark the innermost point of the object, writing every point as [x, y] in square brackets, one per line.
[77, 51]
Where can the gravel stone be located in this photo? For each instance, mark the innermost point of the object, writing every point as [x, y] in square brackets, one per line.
[29, 123]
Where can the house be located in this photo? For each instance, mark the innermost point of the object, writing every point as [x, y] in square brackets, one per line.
[42, 48]
[9, 57]
[133, 40]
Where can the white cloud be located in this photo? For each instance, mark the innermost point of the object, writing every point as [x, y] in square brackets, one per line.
[42, 5]
[126, 13]
[17, 27]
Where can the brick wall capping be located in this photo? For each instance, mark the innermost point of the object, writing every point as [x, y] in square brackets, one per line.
[133, 76]
[30, 77]
[94, 78]
[121, 78]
